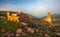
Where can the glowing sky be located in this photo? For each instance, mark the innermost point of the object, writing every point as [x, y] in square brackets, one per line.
[37, 8]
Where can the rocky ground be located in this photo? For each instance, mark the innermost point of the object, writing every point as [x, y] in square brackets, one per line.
[36, 29]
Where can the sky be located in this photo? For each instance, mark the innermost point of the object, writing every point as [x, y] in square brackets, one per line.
[38, 8]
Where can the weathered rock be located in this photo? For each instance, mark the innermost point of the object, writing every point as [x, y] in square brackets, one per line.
[3, 30]
[30, 30]
[19, 30]
[17, 35]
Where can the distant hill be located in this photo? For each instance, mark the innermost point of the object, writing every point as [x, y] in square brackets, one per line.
[4, 13]
[56, 15]
[31, 16]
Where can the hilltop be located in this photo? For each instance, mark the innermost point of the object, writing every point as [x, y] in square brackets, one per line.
[4, 13]
[56, 15]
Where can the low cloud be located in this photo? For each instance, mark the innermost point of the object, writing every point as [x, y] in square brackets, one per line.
[38, 10]
[10, 7]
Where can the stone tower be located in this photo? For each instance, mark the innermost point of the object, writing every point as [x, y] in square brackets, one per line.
[48, 17]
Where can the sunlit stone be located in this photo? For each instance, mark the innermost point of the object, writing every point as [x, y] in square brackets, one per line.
[48, 17]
